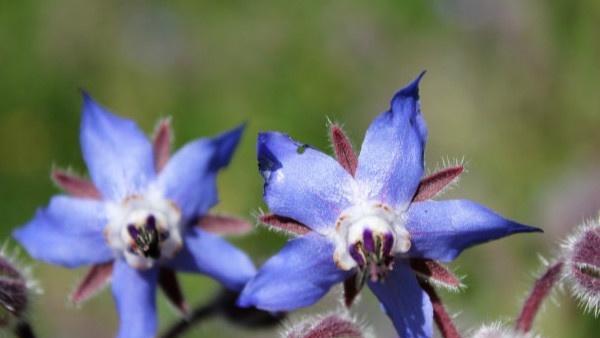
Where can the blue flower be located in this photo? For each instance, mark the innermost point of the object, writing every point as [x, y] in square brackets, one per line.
[364, 219]
[139, 219]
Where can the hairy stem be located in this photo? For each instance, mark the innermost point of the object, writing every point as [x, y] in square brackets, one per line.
[224, 304]
[541, 290]
[441, 317]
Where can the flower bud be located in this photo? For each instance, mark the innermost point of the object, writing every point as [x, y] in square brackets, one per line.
[14, 290]
[582, 256]
[333, 325]
[497, 330]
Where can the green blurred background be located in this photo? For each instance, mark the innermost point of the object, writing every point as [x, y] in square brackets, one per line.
[513, 87]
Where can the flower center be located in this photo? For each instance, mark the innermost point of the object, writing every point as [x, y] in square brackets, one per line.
[144, 229]
[368, 236]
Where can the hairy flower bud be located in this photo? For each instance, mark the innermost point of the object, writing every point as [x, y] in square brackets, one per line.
[333, 325]
[15, 286]
[582, 256]
[497, 330]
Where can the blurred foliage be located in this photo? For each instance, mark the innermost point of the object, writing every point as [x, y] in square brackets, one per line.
[512, 87]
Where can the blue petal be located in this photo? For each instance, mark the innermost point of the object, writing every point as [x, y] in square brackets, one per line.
[403, 300]
[117, 153]
[301, 182]
[134, 292]
[209, 254]
[441, 230]
[189, 178]
[390, 164]
[298, 276]
[68, 233]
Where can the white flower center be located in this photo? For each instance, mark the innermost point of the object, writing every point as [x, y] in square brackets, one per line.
[368, 236]
[144, 229]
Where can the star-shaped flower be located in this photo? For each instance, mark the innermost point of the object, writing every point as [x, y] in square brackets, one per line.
[365, 219]
[143, 217]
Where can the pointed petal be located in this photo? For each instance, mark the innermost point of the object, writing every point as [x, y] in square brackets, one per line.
[74, 185]
[68, 233]
[213, 256]
[134, 292]
[95, 280]
[302, 183]
[161, 145]
[435, 183]
[189, 178]
[404, 301]
[284, 224]
[298, 276]
[224, 225]
[167, 279]
[117, 153]
[442, 230]
[435, 273]
[343, 149]
[390, 163]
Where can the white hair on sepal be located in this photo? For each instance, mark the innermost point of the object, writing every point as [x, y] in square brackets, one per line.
[256, 214]
[12, 255]
[445, 163]
[296, 328]
[500, 330]
[575, 245]
[449, 162]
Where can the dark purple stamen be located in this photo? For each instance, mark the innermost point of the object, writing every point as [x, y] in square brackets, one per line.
[151, 223]
[355, 252]
[388, 242]
[133, 231]
[368, 240]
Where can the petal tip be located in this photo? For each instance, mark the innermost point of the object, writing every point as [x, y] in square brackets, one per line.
[412, 89]
[517, 227]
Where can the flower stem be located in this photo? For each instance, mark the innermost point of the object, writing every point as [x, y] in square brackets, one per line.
[541, 289]
[224, 304]
[441, 317]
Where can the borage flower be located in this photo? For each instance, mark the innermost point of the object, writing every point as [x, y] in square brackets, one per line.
[365, 219]
[142, 218]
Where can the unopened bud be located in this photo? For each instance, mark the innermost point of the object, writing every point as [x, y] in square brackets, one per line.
[14, 290]
[333, 325]
[582, 256]
[497, 330]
